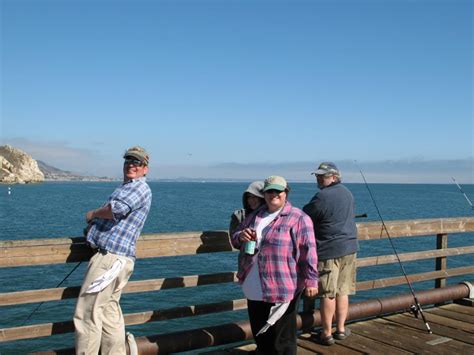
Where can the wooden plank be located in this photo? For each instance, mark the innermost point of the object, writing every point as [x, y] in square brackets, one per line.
[50, 251]
[31, 296]
[434, 318]
[417, 341]
[48, 329]
[242, 349]
[182, 312]
[370, 346]
[55, 253]
[35, 331]
[361, 344]
[388, 335]
[299, 351]
[44, 295]
[459, 308]
[309, 343]
[54, 294]
[400, 280]
[61, 250]
[178, 282]
[409, 320]
[415, 227]
[441, 262]
[421, 255]
[453, 315]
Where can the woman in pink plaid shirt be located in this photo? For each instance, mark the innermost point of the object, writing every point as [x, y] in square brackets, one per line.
[278, 270]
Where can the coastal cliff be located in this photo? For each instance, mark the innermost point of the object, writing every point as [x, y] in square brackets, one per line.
[18, 167]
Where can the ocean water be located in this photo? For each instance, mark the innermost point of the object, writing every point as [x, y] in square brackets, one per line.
[51, 210]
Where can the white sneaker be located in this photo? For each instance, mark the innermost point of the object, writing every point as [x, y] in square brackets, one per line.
[132, 344]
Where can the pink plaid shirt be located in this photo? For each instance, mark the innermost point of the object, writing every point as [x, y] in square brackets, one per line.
[287, 260]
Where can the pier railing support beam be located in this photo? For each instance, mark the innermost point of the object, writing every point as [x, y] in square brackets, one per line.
[441, 262]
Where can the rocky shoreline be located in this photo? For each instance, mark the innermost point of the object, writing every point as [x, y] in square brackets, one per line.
[18, 167]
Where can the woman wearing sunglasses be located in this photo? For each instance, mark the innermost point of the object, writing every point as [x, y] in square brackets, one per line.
[281, 266]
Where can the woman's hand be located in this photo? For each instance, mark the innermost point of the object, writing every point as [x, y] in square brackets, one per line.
[311, 292]
[247, 234]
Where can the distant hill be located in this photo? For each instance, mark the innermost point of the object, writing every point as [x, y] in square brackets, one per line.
[52, 173]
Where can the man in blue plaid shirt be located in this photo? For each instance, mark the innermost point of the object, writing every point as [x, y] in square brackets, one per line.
[113, 232]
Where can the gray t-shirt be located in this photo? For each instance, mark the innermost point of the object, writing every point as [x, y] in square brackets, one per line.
[332, 212]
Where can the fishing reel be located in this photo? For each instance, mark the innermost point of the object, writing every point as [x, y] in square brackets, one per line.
[414, 310]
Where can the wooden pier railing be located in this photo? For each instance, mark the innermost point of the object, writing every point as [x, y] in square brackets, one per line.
[72, 250]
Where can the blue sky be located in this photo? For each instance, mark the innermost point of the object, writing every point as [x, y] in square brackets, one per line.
[242, 89]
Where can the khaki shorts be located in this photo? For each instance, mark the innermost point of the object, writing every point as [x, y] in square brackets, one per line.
[337, 277]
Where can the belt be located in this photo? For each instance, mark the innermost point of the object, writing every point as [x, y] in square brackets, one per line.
[97, 250]
[100, 250]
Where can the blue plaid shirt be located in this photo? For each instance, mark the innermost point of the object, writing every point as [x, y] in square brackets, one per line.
[130, 206]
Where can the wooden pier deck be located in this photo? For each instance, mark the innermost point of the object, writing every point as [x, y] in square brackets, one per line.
[452, 326]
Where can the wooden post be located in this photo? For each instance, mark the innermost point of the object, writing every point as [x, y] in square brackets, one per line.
[441, 262]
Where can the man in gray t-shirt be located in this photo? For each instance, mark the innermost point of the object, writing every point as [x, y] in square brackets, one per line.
[332, 212]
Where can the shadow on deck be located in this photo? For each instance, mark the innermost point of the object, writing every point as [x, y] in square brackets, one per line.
[452, 326]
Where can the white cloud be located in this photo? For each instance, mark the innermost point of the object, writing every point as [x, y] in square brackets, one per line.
[390, 171]
[62, 155]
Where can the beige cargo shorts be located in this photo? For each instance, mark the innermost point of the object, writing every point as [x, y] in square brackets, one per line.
[337, 277]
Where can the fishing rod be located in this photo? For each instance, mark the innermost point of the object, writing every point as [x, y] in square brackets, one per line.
[460, 189]
[416, 308]
[84, 232]
[59, 284]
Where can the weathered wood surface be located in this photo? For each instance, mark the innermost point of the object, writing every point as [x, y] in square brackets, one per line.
[453, 315]
[441, 262]
[395, 334]
[61, 250]
[460, 309]
[420, 255]
[48, 329]
[453, 333]
[49, 251]
[55, 294]
[415, 227]
[67, 250]
[400, 280]
[449, 321]
[358, 345]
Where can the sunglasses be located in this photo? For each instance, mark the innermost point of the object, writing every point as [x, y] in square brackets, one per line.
[130, 161]
[271, 191]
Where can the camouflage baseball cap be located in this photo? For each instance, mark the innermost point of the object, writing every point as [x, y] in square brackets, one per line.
[138, 153]
[326, 168]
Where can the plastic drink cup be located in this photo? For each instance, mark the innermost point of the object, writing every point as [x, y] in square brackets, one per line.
[250, 247]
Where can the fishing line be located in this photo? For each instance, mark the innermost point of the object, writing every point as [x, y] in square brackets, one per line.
[59, 284]
[85, 231]
[416, 308]
[467, 198]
